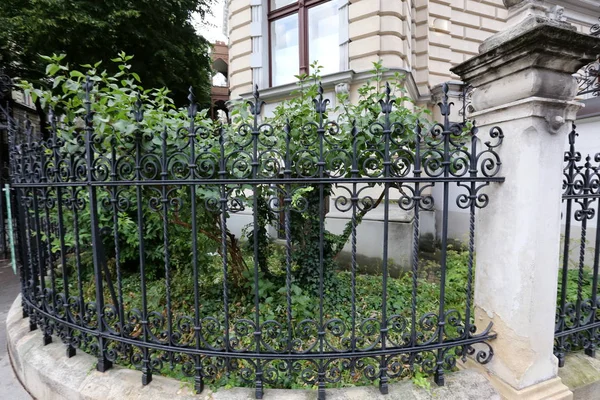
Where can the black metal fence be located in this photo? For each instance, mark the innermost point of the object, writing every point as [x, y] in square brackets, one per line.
[577, 317]
[85, 201]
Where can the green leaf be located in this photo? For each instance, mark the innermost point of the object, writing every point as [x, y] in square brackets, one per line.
[52, 69]
[76, 74]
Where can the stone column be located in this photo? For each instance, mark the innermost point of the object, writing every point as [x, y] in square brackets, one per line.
[524, 84]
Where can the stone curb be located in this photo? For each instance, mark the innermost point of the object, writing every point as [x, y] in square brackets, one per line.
[48, 374]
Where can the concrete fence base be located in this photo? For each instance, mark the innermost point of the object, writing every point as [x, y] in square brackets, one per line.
[48, 374]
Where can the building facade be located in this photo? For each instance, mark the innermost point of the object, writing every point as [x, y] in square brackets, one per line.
[271, 41]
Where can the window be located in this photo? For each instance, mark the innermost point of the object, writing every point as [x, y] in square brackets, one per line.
[301, 32]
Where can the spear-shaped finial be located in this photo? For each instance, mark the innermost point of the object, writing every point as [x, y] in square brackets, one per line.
[572, 135]
[193, 107]
[257, 105]
[138, 110]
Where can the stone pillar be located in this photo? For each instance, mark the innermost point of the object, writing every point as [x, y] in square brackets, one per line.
[523, 83]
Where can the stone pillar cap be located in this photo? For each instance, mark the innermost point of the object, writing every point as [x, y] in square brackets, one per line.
[537, 42]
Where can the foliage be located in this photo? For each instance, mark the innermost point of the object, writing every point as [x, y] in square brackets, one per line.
[273, 302]
[365, 116]
[421, 380]
[113, 98]
[169, 53]
[313, 248]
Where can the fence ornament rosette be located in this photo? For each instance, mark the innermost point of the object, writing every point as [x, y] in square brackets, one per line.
[80, 185]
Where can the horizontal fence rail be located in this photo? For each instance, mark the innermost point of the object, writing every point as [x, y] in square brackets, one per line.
[577, 317]
[101, 217]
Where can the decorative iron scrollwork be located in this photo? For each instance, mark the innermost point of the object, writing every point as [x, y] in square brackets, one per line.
[191, 175]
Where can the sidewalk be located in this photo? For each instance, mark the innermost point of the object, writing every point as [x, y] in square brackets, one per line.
[10, 388]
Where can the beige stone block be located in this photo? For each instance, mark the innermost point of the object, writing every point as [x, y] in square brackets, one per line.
[421, 31]
[392, 43]
[421, 76]
[241, 18]
[437, 9]
[242, 62]
[394, 7]
[421, 60]
[363, 63]
[423, 89]
[476, 35]
[364, 47]
[501, 13]
[393, 61]
[365, 27]
[421, 15]
[466, 46]
[439, 67]
[476, 7]
[240, 77]
[457, 58]
[459, 4]
[236, 6]
[421, 4]
[393, 25]
[440, 53]
[237, 91]
[437, 79]
[465, 19]
[363, 9]
[240, 48]
[495, 3]
[457, 30]
[440, 39]
[421, 46]
[492, 25]
[239, 34]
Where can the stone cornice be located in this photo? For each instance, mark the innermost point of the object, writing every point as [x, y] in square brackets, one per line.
[536, 44]
[330, 81]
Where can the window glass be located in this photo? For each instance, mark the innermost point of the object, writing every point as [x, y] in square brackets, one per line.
[323, 27]
[275, 4]
[284, 50]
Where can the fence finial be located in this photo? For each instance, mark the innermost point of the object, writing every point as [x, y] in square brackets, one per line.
[138, 110]
[193, 107]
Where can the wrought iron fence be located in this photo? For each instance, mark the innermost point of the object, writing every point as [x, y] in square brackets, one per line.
[588, 79]
[76, 193]
[577, 317]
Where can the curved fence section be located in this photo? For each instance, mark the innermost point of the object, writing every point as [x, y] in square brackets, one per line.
[210, 253]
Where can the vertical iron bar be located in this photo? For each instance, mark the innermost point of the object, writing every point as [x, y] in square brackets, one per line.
[70, 350]
[114, 200]
[321, 168]
[416, 236]
[256, 191]
[288, 244]
[192, 110]
[223, 206]
[584, 218]
[165, 210]
[439, 371]
[355, 174]
[81, 301]
[146, 366]
[386, 106]
[47, 339]
[570, 157]
[591, 349]
[472, 206]
[103, 362]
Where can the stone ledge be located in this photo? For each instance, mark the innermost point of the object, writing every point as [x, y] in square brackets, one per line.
[48, 374]
[581, 374]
